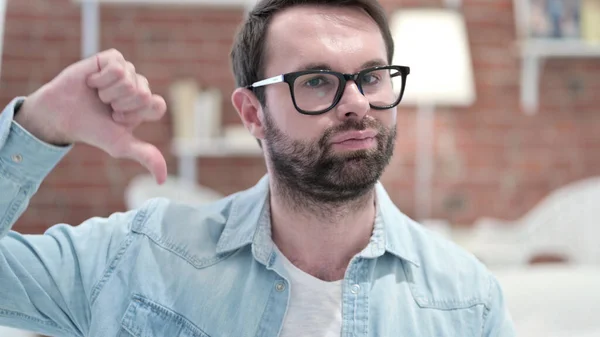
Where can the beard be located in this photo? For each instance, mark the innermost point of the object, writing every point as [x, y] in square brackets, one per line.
[310, 173]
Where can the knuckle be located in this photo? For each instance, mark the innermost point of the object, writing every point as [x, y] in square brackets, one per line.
[118, 71]
[130, 66]
[129, 88]
[117, 55]
[145, 96]
[142, 80]
[144, 99]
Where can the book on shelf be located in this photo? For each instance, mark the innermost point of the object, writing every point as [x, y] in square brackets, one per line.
[590, 21]
[555, 18]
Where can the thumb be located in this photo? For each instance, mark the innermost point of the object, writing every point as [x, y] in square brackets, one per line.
[147, 155]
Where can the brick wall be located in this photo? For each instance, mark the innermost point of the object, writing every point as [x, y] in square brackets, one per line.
[491, 159]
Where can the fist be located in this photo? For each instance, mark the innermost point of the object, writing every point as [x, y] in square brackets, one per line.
[98, 101]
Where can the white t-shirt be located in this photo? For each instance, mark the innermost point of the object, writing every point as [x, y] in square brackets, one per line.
[315, 307]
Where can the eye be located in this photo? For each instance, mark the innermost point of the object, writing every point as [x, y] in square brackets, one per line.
[370, 79]
[316, 82]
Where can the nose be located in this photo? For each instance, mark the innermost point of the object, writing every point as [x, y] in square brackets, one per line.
[353, 103]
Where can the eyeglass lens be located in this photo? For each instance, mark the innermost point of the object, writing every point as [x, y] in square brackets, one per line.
[317, 91]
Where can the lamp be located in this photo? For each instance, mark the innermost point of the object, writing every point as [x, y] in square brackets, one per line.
[434, 43]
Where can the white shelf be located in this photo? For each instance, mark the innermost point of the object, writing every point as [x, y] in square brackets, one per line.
[188, 151]
[216, 148]
[559, 48]
[535, 51]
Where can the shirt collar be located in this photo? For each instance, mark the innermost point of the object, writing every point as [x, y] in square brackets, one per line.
[393, 229]
[249, 223]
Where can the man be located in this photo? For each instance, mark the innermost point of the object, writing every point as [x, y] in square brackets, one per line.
[316, 248]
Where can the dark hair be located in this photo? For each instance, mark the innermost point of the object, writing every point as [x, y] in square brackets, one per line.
[248, 52]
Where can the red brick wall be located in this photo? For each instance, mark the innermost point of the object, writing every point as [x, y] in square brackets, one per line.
[491, 159]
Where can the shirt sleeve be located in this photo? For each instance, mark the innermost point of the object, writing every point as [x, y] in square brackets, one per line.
[24, 163]
[497, 319]
[48, 282]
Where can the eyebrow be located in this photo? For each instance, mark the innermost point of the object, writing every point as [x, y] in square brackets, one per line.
[325, 66]
[374, 63]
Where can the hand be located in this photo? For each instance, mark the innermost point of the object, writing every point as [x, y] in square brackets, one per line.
[98, 101]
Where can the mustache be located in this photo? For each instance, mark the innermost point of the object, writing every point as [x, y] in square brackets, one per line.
[349, 125]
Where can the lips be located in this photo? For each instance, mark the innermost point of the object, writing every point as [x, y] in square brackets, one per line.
[354, 135]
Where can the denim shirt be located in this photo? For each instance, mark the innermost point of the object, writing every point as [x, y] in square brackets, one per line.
[171, 270]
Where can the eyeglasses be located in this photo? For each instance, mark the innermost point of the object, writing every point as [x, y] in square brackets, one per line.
[316, 92]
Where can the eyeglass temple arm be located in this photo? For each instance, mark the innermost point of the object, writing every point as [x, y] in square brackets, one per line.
[268, 81]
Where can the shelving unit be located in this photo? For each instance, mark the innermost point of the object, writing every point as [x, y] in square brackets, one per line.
[188, 151]
[215, 148]
[560, 48]
[534, 51]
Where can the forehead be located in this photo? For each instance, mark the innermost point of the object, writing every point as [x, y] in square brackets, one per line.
[344, 38]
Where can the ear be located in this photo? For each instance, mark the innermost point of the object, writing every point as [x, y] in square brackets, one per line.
[250, 110]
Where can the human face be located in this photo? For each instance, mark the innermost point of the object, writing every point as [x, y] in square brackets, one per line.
[338, 155]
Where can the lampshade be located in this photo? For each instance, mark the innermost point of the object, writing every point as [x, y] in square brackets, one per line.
[434, 44]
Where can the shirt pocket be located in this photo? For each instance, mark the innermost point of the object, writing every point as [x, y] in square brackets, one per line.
[145, 318]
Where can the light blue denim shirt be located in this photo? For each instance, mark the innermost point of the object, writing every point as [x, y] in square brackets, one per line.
[170, 270]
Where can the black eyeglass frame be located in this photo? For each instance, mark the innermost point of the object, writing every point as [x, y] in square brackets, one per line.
[290, 78]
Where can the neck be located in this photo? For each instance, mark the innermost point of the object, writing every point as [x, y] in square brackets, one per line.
[318, 238]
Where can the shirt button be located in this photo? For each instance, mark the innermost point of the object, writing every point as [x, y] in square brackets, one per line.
[355, 289]
[280, 286]
[17, 158]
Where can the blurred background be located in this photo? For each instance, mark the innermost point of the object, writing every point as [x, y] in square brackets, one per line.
[498, 137]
